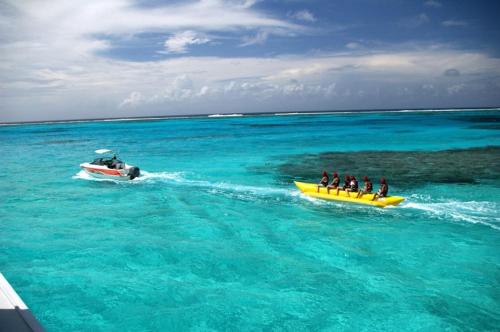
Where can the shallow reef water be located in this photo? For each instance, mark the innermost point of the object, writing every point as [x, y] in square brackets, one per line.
[403, 168]
[214, 236]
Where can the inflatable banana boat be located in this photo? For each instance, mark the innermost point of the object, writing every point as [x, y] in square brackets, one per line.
[311, 189]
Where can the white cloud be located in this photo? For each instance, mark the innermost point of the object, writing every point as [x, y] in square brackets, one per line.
[303, 15]
[422, 18]
[248, 3]
[353, 45]
[219, 79]
[70, 29]
[179, 42]
[198, 85]
[204, 91]
[133, 100]
[454, 23]
[415, 21]
[433, 3]
[303, 71]
[259, 38]
[454, 89]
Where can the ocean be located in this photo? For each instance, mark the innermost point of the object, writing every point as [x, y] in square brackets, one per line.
[215, 237]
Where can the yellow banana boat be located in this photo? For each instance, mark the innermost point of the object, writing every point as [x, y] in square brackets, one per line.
[311, 189]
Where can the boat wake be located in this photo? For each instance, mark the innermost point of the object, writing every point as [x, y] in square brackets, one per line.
[475, 212]
[82, 175]
[238, 191]
[151, 177]
[146, 177]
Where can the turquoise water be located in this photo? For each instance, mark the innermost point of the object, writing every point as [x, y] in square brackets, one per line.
[214, 236]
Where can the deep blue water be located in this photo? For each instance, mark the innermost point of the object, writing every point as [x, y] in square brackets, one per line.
[212, 238]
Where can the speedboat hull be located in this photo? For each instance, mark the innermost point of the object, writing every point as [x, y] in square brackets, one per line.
[104, 172]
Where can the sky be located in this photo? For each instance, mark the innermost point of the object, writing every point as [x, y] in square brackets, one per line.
[119, 58]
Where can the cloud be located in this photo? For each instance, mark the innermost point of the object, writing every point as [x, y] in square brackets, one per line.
[99, 87]
[248, 3]
[353, 45]
[59, 46]
[300, 72]
[303, 15]
[415, 21]
[181, 88]
[433, 3]
[422, 18]
[452, 72]
[82, 28]
[259, 38]
[285, 80]
[454, 23]
[454, 89]
[179, 42]
[234, 90]
[133, 100]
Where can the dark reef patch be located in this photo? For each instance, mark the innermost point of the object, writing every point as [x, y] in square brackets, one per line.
[402, 168]
[495, 126]
[479, 118]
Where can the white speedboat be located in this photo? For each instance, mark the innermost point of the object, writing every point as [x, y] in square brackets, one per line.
[110, 167]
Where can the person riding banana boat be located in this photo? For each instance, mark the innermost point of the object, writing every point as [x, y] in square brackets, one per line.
[335, 182]
[324, 181]
[367, 189]
[383, 190]
[346, 184]
[353, 186]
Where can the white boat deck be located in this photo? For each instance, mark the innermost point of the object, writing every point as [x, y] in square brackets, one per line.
[14, 314]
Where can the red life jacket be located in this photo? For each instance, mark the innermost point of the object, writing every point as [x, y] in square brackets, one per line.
[384, 189]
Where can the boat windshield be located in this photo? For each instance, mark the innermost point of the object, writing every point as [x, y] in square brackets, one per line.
[106, 161]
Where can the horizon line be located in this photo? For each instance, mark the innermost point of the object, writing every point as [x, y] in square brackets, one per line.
[224, 115]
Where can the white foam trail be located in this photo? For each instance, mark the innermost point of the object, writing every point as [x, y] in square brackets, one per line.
[178, 178]
[238, 191]
[470, 211]
[159, 176]
[243, 188]
[313, 200]
[181, 179]
[145, 177]
[82, 175]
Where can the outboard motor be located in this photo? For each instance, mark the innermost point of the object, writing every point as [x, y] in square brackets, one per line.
[134, 172]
